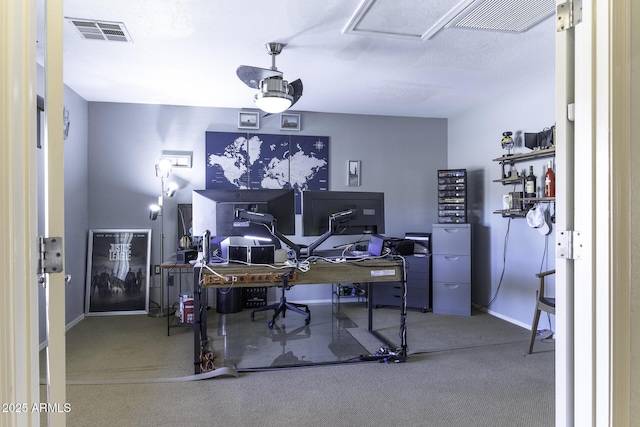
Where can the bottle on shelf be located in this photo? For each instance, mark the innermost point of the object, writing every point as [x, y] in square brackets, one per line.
[530, 184]
[550, 181]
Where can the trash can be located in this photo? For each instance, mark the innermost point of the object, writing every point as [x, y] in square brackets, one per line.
[229, 300]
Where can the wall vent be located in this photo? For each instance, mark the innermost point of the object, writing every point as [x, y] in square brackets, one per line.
[101, 30]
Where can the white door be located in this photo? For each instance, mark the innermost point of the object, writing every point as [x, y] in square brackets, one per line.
[19, 254]
[54, 211]
[592, 318]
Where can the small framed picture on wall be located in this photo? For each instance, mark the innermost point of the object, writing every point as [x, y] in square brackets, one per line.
[289, 121]
[248, 120]
[354, 173]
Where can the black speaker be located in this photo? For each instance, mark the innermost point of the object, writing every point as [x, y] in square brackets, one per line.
[238, 253]
[183, 257]
[263, 254]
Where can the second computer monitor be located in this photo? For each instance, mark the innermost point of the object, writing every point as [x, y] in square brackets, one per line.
[215, 210]
[317, 206]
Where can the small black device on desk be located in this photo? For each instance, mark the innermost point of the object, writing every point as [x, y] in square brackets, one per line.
[184, 256]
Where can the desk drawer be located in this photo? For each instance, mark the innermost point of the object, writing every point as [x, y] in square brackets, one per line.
[387, 288]
[418, 264]
[452, 268]
[452, 239]
[391, 294]
[452, 298]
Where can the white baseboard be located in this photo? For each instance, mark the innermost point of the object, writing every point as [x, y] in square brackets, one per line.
[69, 325]
[74, 322]
[503, 317]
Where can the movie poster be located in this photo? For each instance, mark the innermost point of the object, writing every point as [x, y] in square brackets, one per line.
[118, 272]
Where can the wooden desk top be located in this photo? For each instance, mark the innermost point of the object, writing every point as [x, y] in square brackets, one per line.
[320, 272]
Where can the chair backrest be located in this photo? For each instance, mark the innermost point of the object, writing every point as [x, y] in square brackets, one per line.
[544, 302]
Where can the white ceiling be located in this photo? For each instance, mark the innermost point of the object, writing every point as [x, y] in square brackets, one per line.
[185, 52]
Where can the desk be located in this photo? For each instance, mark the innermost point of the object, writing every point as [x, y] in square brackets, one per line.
[363, 271]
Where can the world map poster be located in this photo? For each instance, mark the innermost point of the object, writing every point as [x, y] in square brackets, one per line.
[263, 161]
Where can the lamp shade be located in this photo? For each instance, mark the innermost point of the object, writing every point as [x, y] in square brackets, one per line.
[154, 210]
[163, 167]
[171, 189]
[272, 103]
[274, 95]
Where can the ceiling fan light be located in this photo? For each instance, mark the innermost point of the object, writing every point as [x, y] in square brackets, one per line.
[273, 102]
[273, 96]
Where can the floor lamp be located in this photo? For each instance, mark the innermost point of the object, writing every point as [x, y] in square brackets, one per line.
[163, 170]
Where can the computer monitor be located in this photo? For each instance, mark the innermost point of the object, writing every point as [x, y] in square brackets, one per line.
[215, 210]
[368, 208]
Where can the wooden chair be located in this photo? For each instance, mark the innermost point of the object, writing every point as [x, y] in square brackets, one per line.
[543, 303]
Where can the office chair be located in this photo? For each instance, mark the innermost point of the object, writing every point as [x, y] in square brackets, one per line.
[543, 303]
[282, 306]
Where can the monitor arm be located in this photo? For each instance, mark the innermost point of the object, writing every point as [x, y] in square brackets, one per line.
[335, 219]
[271, 222]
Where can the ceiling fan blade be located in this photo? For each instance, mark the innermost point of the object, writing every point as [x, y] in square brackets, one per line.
[296, 85]
[251, 76]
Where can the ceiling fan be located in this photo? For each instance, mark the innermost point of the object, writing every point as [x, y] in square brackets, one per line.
[275, 94]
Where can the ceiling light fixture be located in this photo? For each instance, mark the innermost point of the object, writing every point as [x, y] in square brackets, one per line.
[274, 95]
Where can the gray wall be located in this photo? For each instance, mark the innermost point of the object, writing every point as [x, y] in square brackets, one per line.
[76, 197]
[75, 206]
[399, 157]
[474, 140]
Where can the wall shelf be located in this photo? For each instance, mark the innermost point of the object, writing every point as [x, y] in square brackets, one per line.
[508, 161]
[513, 158]
[511, 213]
[510, 180]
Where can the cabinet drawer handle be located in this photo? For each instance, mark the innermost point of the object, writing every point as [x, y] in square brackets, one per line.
[452, 258]
[451, 285]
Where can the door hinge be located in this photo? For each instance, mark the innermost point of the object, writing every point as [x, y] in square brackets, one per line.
[569, 244]
[568, 14]
[50, 260]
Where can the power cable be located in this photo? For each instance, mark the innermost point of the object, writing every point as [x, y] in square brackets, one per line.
[504, 265]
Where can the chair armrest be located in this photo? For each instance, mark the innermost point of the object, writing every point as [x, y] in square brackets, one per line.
[545, 273]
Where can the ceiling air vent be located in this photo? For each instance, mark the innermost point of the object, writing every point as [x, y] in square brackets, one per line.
[512, 16]
[101, 30]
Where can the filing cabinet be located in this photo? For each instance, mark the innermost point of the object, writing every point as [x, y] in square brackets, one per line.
[418, 286]
[451, 245]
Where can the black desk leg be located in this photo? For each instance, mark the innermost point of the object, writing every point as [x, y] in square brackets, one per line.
[196, 320]
[403, 318]
[370, 305]
[400, 355]
[200, 336]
